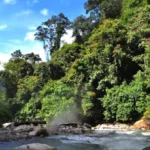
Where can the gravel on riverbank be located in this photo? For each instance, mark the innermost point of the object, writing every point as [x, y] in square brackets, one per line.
[8, 135]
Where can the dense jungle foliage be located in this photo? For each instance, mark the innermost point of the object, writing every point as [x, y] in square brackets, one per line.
[104, 76]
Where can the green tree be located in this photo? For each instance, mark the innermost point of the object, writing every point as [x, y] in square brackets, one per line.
[9, 82]
[67, 55]
[111, 8]
[103, 8]
[5, 114]
[51, 31]
[16, 55]
[128, 102]
[93, 7]
[19, 68]
[31, 57]
[82, 28]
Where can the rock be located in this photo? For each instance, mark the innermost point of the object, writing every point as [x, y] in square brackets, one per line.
[77, 131]
[146, 148]
[35, 146]
[39, 131]
[86, 130]
[29, 122]
[5, 125]
[143, 124]
[69, 128]
[97, 127]
[87, 125]
[104, 126]
[108, 126]
[24, 128]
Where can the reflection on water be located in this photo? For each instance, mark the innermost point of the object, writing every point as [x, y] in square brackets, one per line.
[102, 140]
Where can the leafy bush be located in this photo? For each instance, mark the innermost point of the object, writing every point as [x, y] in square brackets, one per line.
[5, 114]
[127, 102]
[57, 98]
[67, 55]
[147, 113]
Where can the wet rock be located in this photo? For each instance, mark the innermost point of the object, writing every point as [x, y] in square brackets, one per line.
[26, 128]
[68, 128]
[8, 135]
[86, 130]
[146, 148]
[77, 131]
[74, 128]
[39, 131]
[87, 125]
[143, 124]
[12, 132]
[35, 146]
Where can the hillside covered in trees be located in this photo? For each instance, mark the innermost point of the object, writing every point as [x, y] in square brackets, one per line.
[104, 76]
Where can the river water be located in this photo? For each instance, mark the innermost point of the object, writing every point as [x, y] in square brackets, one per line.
[99, 140]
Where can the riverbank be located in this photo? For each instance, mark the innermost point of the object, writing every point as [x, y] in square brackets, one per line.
[143, 124]
[99, 140]
[26, 131]
[115, 127]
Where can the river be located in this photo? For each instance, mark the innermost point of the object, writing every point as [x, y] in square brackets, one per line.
[99, 140]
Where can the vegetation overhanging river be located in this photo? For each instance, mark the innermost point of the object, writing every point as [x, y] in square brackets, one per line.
[99, 140]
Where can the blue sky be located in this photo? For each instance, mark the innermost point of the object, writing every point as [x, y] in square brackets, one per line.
[19, 19]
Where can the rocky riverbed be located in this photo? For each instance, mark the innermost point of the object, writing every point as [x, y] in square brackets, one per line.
[99, 140]
[26, 131]
[17, 131]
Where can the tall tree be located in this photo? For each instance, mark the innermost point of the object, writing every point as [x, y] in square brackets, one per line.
[93, 7]
[111, 8]
[31, 57]
[82, 28]
[16, 55]
[103, 9]
[51, 31]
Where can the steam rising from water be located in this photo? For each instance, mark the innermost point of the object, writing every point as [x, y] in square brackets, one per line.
[71, 116]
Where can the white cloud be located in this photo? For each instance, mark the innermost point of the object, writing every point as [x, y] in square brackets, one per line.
[44, 12]
[10, 1]
[36, 48]
[29, 36]
[4, 57]
[24, 12]
[67, 38]
[2, 27]
[29, 45]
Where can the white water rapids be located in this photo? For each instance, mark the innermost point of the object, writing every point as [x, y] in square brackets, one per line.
[99, 140]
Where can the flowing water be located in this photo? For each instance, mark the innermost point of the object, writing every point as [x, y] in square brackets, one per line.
[99, 140]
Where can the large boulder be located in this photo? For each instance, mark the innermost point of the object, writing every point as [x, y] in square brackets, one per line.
[39, 131]
[146, 148]
[24, 128]
[142, 124]
[35, 146]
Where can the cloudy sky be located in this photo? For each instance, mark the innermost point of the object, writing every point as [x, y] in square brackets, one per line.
[19, 19]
